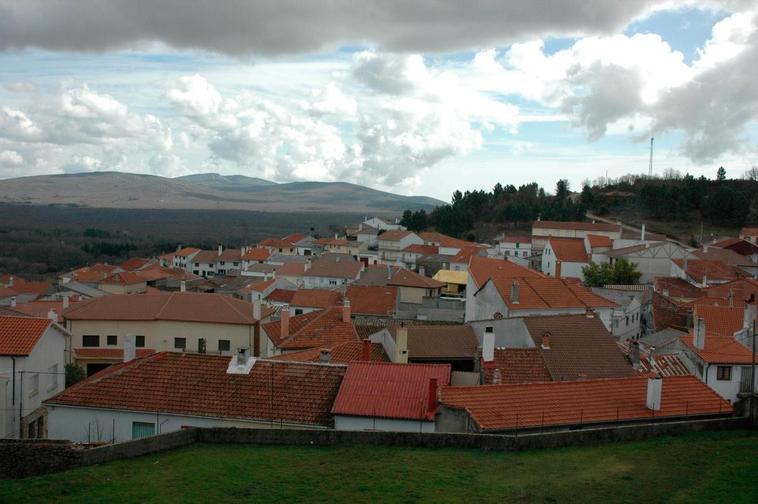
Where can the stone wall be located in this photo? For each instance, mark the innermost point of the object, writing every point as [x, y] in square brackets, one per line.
[32, 457]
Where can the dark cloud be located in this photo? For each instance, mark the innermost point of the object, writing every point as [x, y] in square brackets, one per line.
[242, 27]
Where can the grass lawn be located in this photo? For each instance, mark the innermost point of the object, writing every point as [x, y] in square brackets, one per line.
[697, 467]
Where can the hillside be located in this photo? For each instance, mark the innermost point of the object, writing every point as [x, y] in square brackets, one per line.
[204, 192]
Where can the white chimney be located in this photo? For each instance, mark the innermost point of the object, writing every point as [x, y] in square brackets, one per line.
[705, 279]
[497, 377]
[422, 271]
[130, 347]
[52, 315]
[182, 286]
[220, 249]
[284, 322]
[257, 308]
[241, 363]
[642, 233]
[13, 301]
[698, 334]
[65, 302]
[749, 316]
[488, 344]
[515, 294]
[401, 345]
[346, 311]
[730, 297]
[10, 281]
[654, 392]
[325, 355]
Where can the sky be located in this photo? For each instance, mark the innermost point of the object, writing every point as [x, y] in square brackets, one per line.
[415, 97]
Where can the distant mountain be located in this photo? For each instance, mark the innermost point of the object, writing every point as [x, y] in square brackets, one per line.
[225, 181]
[206, 191]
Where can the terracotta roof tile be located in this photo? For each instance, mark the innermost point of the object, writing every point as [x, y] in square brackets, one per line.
[280, 296]
[124, 278]
[720, 320]
[19, 335]
[421, 249]
[465, 254]
[198, 385]
[372, 299]
[482, 269]
[339, 268]
[713, 270]
[549, 293]
[42, 308]
[394, 235]
[515, 239]
[344, 353]
[534, 405]
[443, 240]
[599, 241]
[569, 249]
[134, 263]
[321, 329]
[677, 288]
[185, 252]
[407, 278]
[578, 226]
[293, 269]
[440, 342]
[517, 365]
[256, 254]
[389, 390]
[720, 349]
[315, 298]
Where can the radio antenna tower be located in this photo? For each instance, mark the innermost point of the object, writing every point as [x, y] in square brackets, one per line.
[650, 167]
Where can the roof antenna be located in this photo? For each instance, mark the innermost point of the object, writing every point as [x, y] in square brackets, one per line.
[650, 167]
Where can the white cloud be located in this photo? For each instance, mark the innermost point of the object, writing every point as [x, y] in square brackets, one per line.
[10, 158]
[79, 164]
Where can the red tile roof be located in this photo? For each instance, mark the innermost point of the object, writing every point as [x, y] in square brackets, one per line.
[124, 278]
[440, 342]
[549, 293]
[177, 306]
[407, 278]
[322, 329]
[280, 296]
[517, 365]
[749, 231]
[387, 390]
[553, 404]
[42, 308]
[24, 286]
[372, 299]
[446, 241]
[720, 349]
[465, 254]
[230, 255]
[7, 292]
[315, 298]
[516, 239]
[19, 335]
[257, 286]
[578, 226]
[714, 270]
[294, 238]
[293, 269]
[738, 290]
[421, 249]
[344, 353]
[720, 320]
[186, 251]
[275, 243]
[256, 254]
[669, 364]
[677, 288]
[599, 241]
[134, 263]
[482, 269]
[569, 249]
[339, 268]
[394, 235]
[116, 354]
[198, 385]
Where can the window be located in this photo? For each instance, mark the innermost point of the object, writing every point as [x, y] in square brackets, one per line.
[332, 282]
[34, 384]
[90, 341]
[112, 340]
[180, 343]
[139, 341]
[142, 429]
[224, 345]
[52, 377]
[724, 373]
[298, 311]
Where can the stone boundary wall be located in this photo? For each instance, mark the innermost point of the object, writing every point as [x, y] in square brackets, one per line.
[24, 458]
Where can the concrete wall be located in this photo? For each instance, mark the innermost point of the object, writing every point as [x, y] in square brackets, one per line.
[355, 423]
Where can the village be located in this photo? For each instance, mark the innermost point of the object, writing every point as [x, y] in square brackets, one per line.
[380, 328]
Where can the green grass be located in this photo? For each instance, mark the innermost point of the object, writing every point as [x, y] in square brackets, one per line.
[696, 467]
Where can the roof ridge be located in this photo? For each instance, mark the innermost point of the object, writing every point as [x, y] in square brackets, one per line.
[169, 298]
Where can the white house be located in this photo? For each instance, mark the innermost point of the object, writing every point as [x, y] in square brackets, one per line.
[564, 257]
[32, 369]
[392, 243]
[515, 246]
[625, 323]
[334, 272]
[652, 259]
[542, 230]
[368, 235]
[383, 225]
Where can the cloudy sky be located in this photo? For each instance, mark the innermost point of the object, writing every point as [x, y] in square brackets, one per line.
[416, 97]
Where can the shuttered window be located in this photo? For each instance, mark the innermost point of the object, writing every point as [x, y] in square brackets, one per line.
[142, 429]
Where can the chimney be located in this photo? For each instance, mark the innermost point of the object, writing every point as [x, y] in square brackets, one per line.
[488, 344]
[642, 233]
[422, 271]
[182, 286]
[589, 313]
[401, 344]
[634, 354]
[654, 392]
[389, 272]
[497, 377]
[179, 247]
[366, 350]
[730, 297]
[698, 334]
[10, 281]
[346, 311]
[705, 248]
[242, 363]
[545, 341]
[515, 292]
[257, 309]
[666, 292]
[220, 249]
[432, 405]
[284, 322]
[243, 354]
[705, 279]
[13, 301]
[52, 315]
[65, 302]
[307, 265]
[326, 355]
[130, 347]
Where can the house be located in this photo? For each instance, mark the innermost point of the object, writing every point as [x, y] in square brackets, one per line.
[455, 282]
[542, 230]
[571, 405]
[517, 297]
[481, 269]
[383, 225]
[447, 245]
[721, 362]
[392, 243]
[330, 273]
[137, 263]
[182, 321]
[380, 396]
[564, 257]
[412, 254]
[182, 258]
[652, 259]
[455, 345]
[515, 246]
[647, 358]
[702, 273]
[168, 391]
[125, 282]
[412, 287]
[319, 329]
[24, 289]
[32, 369]
[368, 235]
[48, 308]
[340, 246]
[461, 260]
[309, 300]
[749, 234]
[228, 260]
[628, 314]
[744, 248]
[730, 257]
[372, 300]
[342, 353]
[279, 246]
[204, 263]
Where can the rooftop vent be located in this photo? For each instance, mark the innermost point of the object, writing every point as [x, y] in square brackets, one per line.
[242, 363]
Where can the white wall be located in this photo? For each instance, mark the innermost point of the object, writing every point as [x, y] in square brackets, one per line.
[728, 389]
[355, 423]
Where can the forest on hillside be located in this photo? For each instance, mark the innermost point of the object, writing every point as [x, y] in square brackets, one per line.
[721, 201]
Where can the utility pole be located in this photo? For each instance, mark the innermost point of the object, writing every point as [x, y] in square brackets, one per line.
[650, 166]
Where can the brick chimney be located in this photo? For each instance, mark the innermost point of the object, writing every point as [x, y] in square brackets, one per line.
[488, 344]
[432, 405]
[346, 311]
[366, 350]
[130, 347]
[545, 341]
[325, 355]
[698, 334]
[401, 344]
[654, 392]
[515, 294]
[284, 322]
